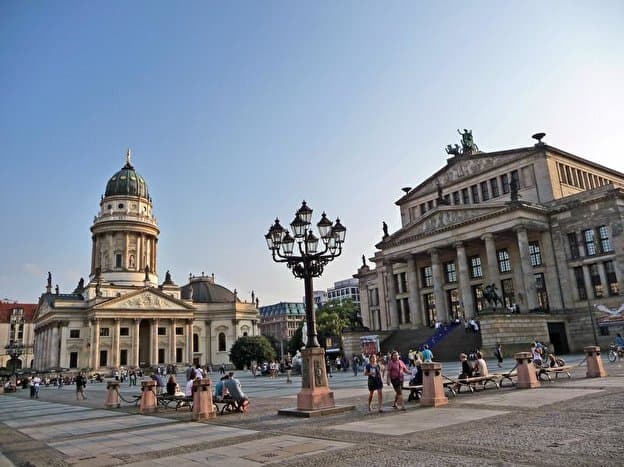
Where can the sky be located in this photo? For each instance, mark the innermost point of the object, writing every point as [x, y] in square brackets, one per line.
[238, 111]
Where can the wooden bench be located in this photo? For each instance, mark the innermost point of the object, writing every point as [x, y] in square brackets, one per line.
[416, 391]
[557, 370]
[470, 383]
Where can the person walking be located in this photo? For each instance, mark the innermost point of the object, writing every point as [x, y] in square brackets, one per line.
[395, 371]
[375, 382]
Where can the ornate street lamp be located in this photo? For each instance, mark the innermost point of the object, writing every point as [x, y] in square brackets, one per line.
[306, 262]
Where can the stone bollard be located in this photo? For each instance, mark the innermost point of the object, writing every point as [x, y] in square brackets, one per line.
[527, 378]
[148, 397]
[433, 386]
[202, 400]
[112, 397]
[594, 362]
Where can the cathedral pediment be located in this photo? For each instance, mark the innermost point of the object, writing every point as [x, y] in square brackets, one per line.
[144, 300]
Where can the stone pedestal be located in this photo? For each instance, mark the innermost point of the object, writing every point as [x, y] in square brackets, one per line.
[527, 378]
[433, 386]
[594, 362]
[315, 393]
[148, 397]
[202, 400]
[112, 396]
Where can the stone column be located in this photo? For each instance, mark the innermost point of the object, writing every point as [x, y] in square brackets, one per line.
[464, 281]
[527, 269]
[189, 340]
[416, 312]
[492, 261]
[393, 310]
[135, 342]
[381, 289]
[96, 344]
[172, 342]
[154, 346]
[438, 286]
[115, 350]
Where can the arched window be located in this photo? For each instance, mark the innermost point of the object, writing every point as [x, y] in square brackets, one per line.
[222, 342]
[195, 342]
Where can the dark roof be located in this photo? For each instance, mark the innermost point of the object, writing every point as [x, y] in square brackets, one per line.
[127, 182]
[206, 291]
[6, 309]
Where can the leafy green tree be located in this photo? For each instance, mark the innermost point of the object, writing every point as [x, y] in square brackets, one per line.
[333, 317]
[249, 348]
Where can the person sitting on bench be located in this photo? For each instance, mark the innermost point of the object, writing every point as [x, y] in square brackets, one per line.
[480, 367]
[234, 388]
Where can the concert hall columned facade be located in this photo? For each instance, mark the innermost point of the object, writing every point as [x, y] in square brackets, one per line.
[544, 226]
[122, 316]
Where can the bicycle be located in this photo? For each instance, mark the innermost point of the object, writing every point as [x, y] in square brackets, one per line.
[614, 352]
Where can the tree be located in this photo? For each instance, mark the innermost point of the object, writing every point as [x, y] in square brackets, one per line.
[249, 348]
[333, 317]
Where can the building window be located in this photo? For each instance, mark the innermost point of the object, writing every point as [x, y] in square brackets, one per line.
[451, 273]
[477, 295]
[574, 246]
[456, 197]
[508, 293]
[505, 183]
[73, 359]
[196, 342]
[104, 332]
[594, 274]
[162, 331]
[535, 255]
[430, 308]
[590, 243]
[485, 193]
[103, 358]
[465, 196]
[476, 269]
[117, 260]
[123, 357]
[494, 187]
[612, 282]
[580, 283]
[427, 276]
[179, 330]
[504, 263]
[474, 189]
[540, 288]
[605, 243]
[74, 333]
[178, 355]
[124, 331]
[222, 346]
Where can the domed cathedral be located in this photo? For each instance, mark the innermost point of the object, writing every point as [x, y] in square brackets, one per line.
[123, 317]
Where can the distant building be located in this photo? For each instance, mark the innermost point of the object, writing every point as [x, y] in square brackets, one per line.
[538, 225]
[345, 289]
[282, 319]
[16, 330]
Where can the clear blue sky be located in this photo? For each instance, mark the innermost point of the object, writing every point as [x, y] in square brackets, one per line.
[236, 111]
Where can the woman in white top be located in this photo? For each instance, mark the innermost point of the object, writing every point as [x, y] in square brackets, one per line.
[480, 367]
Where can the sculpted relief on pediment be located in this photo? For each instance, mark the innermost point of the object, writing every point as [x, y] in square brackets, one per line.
[145, 301]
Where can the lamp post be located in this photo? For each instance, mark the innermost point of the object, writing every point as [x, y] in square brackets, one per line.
[306, 263]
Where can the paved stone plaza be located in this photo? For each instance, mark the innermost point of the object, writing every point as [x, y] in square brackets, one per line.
[565, 422]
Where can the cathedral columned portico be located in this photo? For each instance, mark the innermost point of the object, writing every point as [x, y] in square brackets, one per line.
[529, 230]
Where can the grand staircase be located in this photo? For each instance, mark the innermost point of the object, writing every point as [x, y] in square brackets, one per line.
[446, 346]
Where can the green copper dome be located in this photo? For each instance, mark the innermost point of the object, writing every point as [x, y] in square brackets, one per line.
[127, 182]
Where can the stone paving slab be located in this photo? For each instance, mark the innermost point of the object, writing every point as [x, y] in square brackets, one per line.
[148, 439]
[58, 418]
[83, 427]
[526, 398]
[424, 419]
[258, 452]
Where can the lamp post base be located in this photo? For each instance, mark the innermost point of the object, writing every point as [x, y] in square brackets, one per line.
[315, 393]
